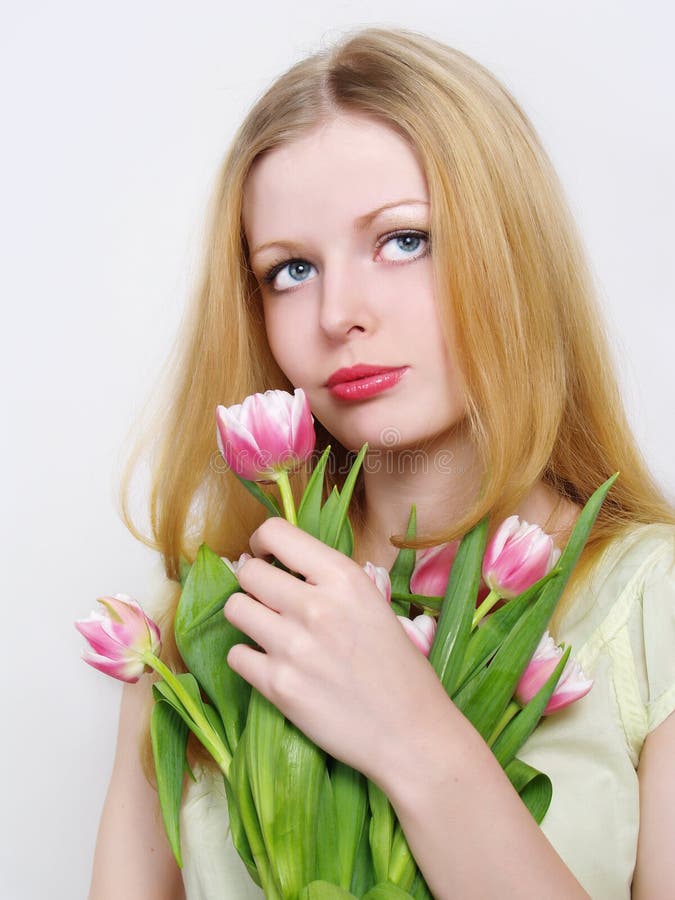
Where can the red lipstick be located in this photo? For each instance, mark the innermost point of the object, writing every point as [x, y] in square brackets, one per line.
[362, 381]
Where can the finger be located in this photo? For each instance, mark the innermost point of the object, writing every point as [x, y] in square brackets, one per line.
[251, 665]
[297, 549]
[277, 589]
[260, 623]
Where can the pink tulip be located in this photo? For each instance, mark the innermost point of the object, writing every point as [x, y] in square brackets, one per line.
[266, 435]
[517, 555]
[432, 569]
[571, 686]
[380, 578]
[120, 639]
[420, 630]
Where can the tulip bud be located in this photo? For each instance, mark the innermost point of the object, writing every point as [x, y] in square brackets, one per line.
[380, 578]
[420, 630]
[432, 569]
[120, 638]
[517, 555]
[571, 686]
[266, 435]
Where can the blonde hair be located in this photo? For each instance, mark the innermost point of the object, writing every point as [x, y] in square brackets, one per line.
[542, 398]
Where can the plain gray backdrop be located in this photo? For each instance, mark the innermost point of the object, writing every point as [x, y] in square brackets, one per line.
[114, 120]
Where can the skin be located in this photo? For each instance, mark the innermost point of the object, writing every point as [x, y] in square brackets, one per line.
[335, 660]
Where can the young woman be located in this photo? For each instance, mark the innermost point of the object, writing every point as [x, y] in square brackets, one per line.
[387, 204]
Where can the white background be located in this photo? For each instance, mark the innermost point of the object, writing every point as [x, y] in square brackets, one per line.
[114, 118]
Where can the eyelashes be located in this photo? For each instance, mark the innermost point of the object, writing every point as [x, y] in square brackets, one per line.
[301, 266]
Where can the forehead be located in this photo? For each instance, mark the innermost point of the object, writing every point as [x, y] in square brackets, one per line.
[343, 169]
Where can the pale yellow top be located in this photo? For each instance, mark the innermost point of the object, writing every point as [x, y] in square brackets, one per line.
[622, 629]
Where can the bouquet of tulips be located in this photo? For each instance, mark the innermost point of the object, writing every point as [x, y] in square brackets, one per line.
[305, 824]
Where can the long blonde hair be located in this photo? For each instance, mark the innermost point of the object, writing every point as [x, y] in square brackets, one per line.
[542, 398]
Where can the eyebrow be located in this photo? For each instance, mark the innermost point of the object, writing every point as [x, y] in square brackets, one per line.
[361, 223]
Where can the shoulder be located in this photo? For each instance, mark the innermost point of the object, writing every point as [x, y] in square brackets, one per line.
[634, 589]
[635, 553]
[639, 557]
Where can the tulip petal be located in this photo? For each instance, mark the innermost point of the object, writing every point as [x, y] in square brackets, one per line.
[379, 575]
[432, 569]
[124, 670]
[238, 446]
[98, 640]
[526, 555]
[416, 636]
[303, 436]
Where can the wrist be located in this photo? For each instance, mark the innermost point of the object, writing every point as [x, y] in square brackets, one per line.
[432, 749]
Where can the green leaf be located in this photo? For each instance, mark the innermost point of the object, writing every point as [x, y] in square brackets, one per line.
[338, 518]
[169, 734]
[265, 725]
[324, 890]
[484, 699]
[419, 889]
[512, 738]
[163, 690]
[582, 528]
[298, 786]
[309, 510]
[345, 542]
[238, 830]
[363, 874]
[402, 865]
[350, 792]
[534, 787]
[184, 567]
[454, 622]
[329, 512]
[485, 640]
[215, 581]
[401, 572]
[381, 832]
[327, 840]
[204, 644]
[267, 500]
[386, 890]
[241, 789]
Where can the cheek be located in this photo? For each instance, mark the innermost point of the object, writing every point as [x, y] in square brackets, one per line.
[285, 337]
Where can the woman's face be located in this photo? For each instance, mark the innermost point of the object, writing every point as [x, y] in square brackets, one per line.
[337, 227]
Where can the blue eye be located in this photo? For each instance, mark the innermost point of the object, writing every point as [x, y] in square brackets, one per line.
[405, 244]
[401, 246]
[295, 270]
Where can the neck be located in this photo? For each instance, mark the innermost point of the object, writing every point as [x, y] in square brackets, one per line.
[441, 479]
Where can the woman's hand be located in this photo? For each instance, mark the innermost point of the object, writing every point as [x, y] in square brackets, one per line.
[337, 662]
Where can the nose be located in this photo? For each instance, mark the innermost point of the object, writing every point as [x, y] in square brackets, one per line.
[346, 307]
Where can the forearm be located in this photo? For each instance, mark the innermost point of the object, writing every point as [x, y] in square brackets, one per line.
[469, 831]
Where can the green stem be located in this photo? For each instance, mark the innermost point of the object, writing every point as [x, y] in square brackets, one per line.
[431, 604]
[287, 497]
[204, 731]
[485, 607]
[509, 713]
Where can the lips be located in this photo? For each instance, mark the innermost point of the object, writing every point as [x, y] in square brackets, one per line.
[353, 373]
[361, 382]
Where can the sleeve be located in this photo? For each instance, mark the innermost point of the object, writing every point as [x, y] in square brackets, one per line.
[658, 631]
